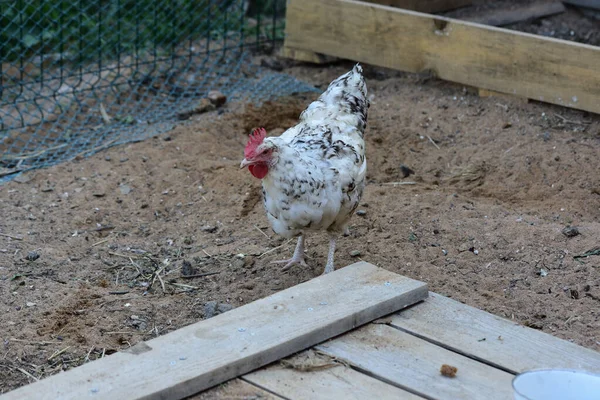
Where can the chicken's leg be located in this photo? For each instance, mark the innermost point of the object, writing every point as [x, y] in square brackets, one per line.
[329, 267]
[297, 258]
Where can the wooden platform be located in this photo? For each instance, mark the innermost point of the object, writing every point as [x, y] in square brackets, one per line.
[399, 357]
[322, 340]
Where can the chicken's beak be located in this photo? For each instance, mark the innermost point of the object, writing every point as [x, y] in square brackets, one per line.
[245, 163]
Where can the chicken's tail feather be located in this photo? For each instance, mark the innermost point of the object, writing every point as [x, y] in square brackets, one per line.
[346, 95]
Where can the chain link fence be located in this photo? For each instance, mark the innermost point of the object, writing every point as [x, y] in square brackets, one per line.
[80, 76]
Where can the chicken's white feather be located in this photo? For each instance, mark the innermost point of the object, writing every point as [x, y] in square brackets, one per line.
[319, 168]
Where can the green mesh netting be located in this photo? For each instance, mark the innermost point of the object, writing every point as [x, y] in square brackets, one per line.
[81, 76]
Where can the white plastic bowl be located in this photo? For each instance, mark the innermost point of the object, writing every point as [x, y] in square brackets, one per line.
[556, 384]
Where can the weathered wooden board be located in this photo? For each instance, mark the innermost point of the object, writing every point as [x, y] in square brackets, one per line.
[409, 362]
[524, 12]
[199, 356]
[487, 337]
[338, 382]
[426, 6]
[536, 67]
[235, 389]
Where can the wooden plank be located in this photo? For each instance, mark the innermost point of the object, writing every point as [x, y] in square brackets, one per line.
[510, 97]
[306, 56]
[539, 68]
[337, 382]
[199, 356]
[409, 362]
[426, 6]
[523, 13]
[496, 340]
[595, 4]
[235, 389]
[317, 377]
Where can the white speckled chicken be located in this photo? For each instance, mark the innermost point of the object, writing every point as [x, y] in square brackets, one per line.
[313, 175]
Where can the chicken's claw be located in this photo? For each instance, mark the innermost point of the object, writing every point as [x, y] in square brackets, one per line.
[291, 262]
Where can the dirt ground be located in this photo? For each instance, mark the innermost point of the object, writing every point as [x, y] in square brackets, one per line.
[107, 240]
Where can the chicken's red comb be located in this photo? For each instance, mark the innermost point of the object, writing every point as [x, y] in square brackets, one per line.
[256, 138]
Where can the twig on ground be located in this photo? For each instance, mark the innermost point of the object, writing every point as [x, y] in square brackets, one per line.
[58, 353]
[124, 255]
[200, 275]
[100, 242]
[398, 183]
[260, 230]
[157, 275]
[433, 143]
[27, 373]
[275, 248]
[181, 285]
[11, 236]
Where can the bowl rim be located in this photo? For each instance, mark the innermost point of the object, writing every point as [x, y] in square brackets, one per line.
[536, 371]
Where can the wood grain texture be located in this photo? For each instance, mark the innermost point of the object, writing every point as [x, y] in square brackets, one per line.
[426, 6]
[410, 362]
[522, 13]
[539, 68]
[496, 340]
[201, 355]
[338, 382]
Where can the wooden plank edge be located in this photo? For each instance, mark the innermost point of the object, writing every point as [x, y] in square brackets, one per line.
[426, 6]
[523, 13]
[306, 56]
[492, 93]
[237, 388]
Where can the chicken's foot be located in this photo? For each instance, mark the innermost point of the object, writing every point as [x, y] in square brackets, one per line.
[297, 258]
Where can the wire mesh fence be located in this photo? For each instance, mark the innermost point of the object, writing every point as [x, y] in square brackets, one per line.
[81, 76]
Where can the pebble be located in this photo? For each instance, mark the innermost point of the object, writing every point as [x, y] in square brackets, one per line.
[217, 98]
[124, 188]
[23, 178]
[354, 253]
[107, 158]
[406, 171]
[123, 159]
[213, 308]
[571, 231]
[30, 304]
[361, 212]
[32, 256]
[209, 228]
